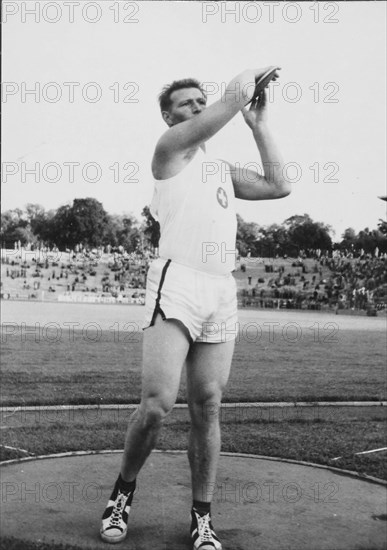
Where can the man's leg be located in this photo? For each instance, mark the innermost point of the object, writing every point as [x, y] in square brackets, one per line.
[165, 348]
[208, 369]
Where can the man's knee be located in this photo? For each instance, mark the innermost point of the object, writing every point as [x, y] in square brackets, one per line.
[205, 405]
[153, 412]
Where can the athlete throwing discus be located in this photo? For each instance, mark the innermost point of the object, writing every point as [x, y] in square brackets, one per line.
[191, 306]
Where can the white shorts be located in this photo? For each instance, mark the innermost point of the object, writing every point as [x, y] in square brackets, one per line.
[206, 304]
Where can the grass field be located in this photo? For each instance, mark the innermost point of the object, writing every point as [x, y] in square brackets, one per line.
[280, 356]
[310, 434]
[291, 358]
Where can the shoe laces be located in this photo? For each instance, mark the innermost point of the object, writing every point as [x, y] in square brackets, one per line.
[118, 508]
[204, 528]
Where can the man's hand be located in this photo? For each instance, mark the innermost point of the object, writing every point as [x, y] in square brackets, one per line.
[257, 114]
[262, 78]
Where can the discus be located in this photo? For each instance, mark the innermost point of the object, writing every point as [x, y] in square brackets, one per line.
[262, 82]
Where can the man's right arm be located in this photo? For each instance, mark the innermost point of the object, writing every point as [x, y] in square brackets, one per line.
[191, 133]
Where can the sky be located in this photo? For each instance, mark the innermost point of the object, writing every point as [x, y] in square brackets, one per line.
[96, 68]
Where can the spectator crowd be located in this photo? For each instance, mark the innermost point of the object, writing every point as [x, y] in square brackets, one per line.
[316, 280]
[74, 274]
[340, 281]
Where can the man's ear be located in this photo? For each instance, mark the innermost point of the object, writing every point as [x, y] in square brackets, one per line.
[166, 117]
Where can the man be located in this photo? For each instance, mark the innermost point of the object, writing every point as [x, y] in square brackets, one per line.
[191, 295]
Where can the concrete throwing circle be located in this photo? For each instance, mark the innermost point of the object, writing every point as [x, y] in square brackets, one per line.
[257, 503]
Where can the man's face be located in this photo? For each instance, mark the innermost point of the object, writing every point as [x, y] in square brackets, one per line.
[185, 104]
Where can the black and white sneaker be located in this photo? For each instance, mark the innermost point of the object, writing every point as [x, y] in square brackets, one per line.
[116, 515]
[202, 532]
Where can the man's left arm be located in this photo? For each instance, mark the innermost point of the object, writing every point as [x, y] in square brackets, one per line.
[248, 184]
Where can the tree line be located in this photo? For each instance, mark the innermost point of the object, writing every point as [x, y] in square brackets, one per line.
[85, 222]
[300, 233]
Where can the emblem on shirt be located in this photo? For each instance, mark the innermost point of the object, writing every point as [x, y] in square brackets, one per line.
[221, 195]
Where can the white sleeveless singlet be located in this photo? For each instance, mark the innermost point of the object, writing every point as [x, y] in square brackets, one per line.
[196, 212]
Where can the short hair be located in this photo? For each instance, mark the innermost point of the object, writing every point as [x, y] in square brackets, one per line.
[165, 95]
